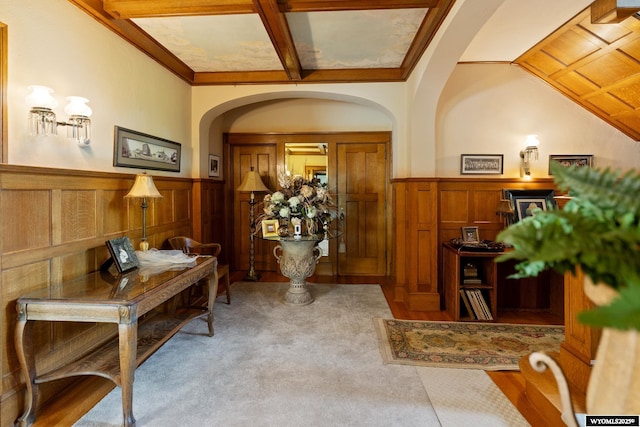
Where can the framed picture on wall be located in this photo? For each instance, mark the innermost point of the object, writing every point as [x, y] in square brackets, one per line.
[481, 164]
[138, 150]
[214, 166]
[581, 160]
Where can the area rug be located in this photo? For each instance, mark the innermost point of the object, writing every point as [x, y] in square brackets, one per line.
[271, 364]
[486, 346]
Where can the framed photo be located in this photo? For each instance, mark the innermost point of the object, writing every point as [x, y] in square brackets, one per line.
[214, 166]
[122, 254]
[138, 150]
[526, 201]
[571, 160]
[270, 227]
[481, 164]
[470, 235]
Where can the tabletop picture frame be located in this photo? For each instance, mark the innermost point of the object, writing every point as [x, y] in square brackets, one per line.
[270, 227]
[122, 254]
[470, 235]
[481, 164]
[139, 150]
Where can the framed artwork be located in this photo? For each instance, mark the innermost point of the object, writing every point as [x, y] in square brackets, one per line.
[270, 227]
[122, 254]
[214, 166]
[571, 160]
[470, 235]
[138, 150]
[481, 164]
[525, 202]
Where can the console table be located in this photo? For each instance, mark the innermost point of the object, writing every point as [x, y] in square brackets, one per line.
[123, 300]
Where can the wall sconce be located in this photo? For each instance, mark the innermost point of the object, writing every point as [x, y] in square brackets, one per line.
[529, 153]
[42, 119]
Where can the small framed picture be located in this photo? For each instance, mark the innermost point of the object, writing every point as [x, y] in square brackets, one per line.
[122, 254]
[526, 201]
[270, 227]
[581, 160]
[470, 235]
[527, 207]
[481, 164]
[214, 166]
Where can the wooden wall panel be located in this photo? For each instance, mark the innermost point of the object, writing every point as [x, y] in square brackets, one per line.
[54, 227]
[25, 220]
[454, 206]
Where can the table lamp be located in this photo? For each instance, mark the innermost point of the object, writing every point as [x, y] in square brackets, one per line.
[252, 183]
[144, 188]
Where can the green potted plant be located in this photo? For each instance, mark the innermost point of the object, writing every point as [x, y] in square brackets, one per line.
[597, 230]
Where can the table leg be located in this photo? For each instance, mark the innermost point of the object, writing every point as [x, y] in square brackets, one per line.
[24, 350]
[213, 292]
[128, 344]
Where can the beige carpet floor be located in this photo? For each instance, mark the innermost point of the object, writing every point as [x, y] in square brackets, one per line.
[271, 364]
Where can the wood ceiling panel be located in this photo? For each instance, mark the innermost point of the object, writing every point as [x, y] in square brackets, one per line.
[609, 104]
[571, 47]
[600, 68]
[576, 83]
[610, 69]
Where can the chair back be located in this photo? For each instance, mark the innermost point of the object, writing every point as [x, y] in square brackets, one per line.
[190, 246]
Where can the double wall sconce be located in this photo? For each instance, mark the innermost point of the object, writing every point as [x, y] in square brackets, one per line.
[529, 153]
[42, 119]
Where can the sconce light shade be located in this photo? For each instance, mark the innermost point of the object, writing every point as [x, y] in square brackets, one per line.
[42, 119]
[79, 126]
[40, 97]
[529, 153]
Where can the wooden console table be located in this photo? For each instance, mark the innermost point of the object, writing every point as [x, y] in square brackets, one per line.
[99, 297]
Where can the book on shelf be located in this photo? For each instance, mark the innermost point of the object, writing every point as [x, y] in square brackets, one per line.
[467, 304]
[483, 305]
[475, 304]
[475, 281]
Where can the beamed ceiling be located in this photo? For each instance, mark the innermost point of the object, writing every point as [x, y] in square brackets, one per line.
[277, 41]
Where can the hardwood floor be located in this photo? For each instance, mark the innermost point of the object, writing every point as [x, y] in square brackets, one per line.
[83, 396]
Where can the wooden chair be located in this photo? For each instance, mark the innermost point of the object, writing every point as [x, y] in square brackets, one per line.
[190, 246]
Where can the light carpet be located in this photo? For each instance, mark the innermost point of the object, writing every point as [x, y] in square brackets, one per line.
[487, 346]
[271, 364]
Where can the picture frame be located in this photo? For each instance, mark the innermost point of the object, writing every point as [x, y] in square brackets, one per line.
[270, 227]
[470, 235]
[481, 164]
[523, 201]
[122, 254]
[571, 160]
[133, 149]
[214, 166]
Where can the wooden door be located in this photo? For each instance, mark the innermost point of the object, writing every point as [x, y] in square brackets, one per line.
[262, 157]
[362, 191]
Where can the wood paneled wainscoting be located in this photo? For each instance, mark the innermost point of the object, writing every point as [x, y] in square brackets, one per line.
[54, 226]
[429, 212]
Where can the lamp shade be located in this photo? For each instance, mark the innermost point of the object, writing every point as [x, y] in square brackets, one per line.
[252, 182]
[505, 207]
[41, 97]
[144, 187]
[77, 106]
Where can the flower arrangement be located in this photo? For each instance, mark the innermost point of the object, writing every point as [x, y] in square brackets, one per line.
[308, 204]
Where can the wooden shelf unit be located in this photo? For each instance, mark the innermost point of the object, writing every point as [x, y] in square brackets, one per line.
[453, 262]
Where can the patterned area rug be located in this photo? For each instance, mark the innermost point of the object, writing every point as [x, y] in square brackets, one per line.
[487, 346]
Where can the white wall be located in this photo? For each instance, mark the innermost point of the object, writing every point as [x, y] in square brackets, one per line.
[491, 108]
[54, 43]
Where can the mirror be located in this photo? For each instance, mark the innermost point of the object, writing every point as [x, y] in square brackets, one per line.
[307, 159]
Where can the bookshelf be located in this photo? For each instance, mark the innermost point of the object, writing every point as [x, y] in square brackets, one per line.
[470, 281]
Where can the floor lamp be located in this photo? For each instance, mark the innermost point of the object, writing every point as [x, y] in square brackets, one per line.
[252, 183]
[144, 188]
